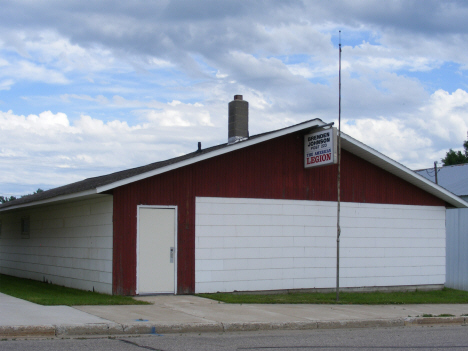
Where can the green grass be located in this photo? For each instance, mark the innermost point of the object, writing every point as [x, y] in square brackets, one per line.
[49, 294]
[445, 295]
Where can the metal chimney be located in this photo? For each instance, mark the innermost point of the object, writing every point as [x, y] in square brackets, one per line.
[238, 127]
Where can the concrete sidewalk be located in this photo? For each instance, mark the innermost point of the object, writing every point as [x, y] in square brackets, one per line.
[172, 314]
[20, 317]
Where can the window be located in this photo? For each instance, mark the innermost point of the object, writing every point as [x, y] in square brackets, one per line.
[25, 227]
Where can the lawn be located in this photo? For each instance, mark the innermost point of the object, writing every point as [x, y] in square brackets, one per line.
[49, 294]
[445, 295]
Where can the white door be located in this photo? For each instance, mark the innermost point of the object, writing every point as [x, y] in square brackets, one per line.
[156, 267]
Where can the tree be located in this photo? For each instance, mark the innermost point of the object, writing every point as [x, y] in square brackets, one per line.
[39, 190]
[456, 158]
[4, 199]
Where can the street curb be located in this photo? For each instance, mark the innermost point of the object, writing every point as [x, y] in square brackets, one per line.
[27, 330]
[114, 329]
[106, 329]
[436, 321]
[366, 323]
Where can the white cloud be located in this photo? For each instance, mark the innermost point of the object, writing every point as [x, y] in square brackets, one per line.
[368, 57]
[446, 115]
[419, 139]
[159, 63]
[6, 84]
[177, 114]
[99, 99]
[45, 146]
[103, 131]
[221, 75]
[302, 69]
[392, 138]
[29, 71]
[46, 123]
[51, 49]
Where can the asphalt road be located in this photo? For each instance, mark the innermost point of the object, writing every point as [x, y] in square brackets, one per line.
[409, 338]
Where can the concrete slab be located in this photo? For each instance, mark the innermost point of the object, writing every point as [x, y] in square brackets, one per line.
[193, 309]
[361, 312]
[135, 314]
[176, 300]
[17, 312]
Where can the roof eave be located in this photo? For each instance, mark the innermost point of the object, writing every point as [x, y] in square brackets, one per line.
[66, 197]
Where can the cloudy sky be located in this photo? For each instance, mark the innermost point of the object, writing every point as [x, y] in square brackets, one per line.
[89, 88]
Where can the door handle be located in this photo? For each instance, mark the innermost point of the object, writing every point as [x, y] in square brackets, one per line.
[171, 255]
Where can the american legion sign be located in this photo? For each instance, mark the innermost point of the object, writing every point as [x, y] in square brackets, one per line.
[320, 148]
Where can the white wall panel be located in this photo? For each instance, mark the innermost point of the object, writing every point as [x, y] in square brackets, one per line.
[70, 244]
[261, 244]
[457, 248]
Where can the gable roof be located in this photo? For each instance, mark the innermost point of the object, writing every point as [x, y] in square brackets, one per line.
[103, 184]
[453, 178]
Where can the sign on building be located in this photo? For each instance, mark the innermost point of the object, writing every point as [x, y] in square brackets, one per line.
[320, 148]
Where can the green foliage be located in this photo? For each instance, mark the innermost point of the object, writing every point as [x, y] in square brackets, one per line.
[4, 199]
[456, 158]
[371, 298]
[49, 294]
[39, 190]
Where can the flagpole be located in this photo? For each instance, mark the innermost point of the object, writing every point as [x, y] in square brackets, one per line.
[338, 228]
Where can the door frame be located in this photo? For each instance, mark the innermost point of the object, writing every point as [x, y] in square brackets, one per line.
[138, 242]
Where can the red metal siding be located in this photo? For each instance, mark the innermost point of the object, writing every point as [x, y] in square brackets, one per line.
[273, 170]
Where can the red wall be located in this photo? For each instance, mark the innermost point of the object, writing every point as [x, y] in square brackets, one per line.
[272, 169]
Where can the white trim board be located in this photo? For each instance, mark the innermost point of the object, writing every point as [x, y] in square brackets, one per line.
[66, 197]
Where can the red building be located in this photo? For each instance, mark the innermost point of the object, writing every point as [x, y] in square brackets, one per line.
[244, 216]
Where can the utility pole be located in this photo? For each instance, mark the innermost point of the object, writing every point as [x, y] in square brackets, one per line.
[435, 172]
